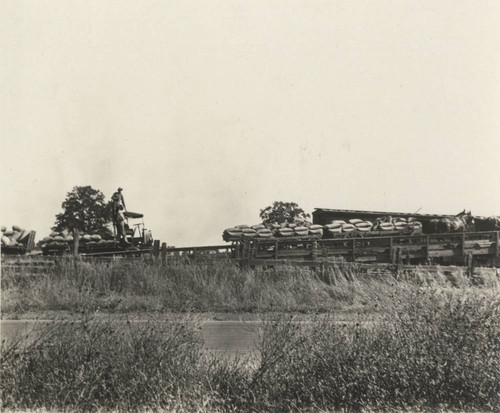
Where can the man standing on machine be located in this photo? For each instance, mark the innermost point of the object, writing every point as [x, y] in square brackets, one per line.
[120, 226]
[118, 200]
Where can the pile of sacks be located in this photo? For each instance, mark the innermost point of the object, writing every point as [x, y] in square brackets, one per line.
[382, 224]
[331, 230]
[14, 237]
[353, 225]
[397, 224]
[287, 229]
[65, 238]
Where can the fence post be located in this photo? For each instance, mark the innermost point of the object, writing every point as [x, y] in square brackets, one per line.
[463, 244]
[245, 253]
[164, 253]
[470, 264]
[497, 244]
[156, 248]
[76, 242]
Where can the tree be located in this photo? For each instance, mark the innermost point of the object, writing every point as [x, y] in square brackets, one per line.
[86, 210]
[280, 212]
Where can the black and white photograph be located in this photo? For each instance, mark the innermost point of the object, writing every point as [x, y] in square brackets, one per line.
[218, 206]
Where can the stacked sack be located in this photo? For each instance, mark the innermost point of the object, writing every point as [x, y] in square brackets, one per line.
[262, 231]
[65, 238]
[14, 237]
[354, 225]
[399, 224]
[57, 240]
[414, 225]
[336, 228]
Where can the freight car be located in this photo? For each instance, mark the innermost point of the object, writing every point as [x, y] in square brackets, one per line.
[17, 241]
[140, 241]
[362, 236]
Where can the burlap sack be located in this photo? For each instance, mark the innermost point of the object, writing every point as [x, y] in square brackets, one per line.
[301, 231]
[286, 232]
[16, 235]
[6, 241]
[264, 233]
[348, 228]
[364, 226]
[355, 221]
[249, 232]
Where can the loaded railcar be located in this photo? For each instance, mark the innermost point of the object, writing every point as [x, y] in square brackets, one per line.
[371, 236]
[323, 216]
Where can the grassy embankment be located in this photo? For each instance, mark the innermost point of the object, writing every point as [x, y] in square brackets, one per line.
[433, 346]
[138, 286]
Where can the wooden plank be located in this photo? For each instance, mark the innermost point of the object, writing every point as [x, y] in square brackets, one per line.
[445, 253]
[367, 258]
[484, 251]
[295, 253]
[204, 248]
[444, 246]
[30, 245]
[274, 263]
[338, 252]
[478, 244]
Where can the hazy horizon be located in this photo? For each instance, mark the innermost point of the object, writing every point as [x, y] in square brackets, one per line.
[206, 112]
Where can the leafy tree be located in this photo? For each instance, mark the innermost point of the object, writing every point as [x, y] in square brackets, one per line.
[85, 209]
[280, 212]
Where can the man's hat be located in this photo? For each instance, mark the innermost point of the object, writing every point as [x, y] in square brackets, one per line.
[120, 189]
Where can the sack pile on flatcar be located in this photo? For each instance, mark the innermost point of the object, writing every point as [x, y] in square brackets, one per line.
[14, 237]
[335, 229]
[62, 239]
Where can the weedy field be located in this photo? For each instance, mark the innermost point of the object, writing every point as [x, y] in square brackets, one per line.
[426, 343]
[137, 286]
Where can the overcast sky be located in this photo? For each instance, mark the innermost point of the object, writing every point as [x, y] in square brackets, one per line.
[206, 112]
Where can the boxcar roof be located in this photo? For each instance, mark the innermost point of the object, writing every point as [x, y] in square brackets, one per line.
[376, 213]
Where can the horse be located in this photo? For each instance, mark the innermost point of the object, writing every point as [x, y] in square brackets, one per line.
[487, 223]
[461, 222]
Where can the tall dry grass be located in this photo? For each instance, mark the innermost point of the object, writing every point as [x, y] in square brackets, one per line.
[135, 286]
[432, 350]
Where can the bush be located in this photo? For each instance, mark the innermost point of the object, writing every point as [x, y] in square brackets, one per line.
[93, 364]
[434, 351]
[418, 344]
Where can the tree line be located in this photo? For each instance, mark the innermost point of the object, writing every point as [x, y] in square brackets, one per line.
[87, 210]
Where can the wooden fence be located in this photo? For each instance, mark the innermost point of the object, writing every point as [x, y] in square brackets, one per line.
[466, 249]
[463, 249]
